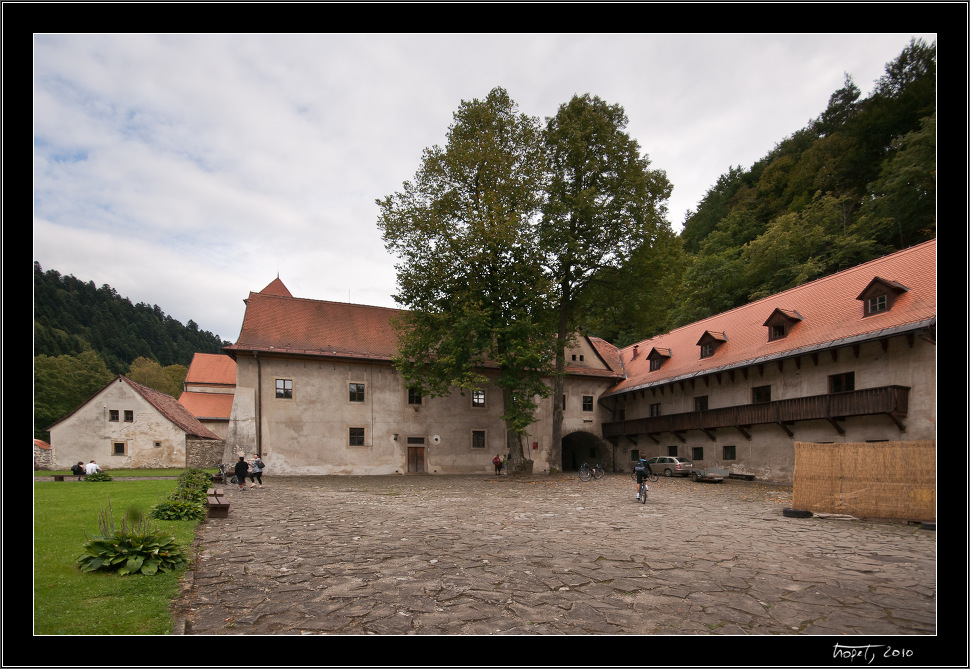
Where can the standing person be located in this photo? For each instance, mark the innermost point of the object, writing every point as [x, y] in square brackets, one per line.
[78, 470]
[257, 473]
[497, 461]
[642, 468]
[241, 470]
[505, 465]
[91, 468]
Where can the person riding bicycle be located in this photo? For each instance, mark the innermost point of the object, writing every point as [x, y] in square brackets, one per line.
[642, 469]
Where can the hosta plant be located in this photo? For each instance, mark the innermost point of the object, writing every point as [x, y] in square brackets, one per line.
[179, 509]
[98, 476]
[136, 547]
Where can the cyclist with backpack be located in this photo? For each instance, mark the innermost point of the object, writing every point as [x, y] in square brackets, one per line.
[642, 470]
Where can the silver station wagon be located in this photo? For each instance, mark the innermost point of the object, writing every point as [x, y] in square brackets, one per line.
[671, 466]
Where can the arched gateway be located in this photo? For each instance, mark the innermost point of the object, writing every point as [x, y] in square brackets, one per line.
[580, 447]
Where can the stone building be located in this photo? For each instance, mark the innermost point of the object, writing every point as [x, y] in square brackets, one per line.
[850, 357]
[207, 390]
[127, 425]
[316, 393]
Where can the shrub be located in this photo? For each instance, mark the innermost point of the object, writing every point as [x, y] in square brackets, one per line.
[179, 509]
[98, 476]
[136, 547]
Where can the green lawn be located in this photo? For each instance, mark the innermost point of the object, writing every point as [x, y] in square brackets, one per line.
[67, 601]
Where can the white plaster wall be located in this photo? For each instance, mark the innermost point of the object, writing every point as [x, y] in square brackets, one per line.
[88, 434]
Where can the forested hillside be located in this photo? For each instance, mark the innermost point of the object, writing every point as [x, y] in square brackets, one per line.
[856, 183]
[71, 316]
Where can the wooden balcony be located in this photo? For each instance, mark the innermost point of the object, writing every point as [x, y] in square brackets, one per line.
[891, 401]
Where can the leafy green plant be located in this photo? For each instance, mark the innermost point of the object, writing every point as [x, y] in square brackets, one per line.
[137, 546]
[178, 509]
[98, 476]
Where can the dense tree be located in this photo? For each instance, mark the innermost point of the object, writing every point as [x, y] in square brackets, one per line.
[62, 383]
[163, 379]
[603, 202]
[469, 273]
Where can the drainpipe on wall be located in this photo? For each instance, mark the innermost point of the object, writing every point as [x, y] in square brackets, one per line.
[259, 406]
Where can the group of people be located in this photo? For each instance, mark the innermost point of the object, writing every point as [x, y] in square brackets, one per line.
[501, 463]
[243, 470]
[81, 469]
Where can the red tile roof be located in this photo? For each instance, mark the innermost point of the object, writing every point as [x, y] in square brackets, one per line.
[830, 313]
[40, 443]
[169, 407]
[211, 369]
[282, 324]
[207, 405]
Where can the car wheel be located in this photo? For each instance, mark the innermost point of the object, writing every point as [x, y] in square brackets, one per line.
[694, 476]
[668, 472]
[796, 513]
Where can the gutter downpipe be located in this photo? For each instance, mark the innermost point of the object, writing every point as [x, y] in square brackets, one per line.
[259, 405]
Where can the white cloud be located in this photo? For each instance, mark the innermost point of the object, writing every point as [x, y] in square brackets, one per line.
[187, 170]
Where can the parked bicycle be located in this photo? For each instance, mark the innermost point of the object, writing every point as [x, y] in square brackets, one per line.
[586, 472]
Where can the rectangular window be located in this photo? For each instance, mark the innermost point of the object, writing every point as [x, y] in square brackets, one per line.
[697, 453]
[356, 392]
[842, 383]
[707, 350]
[877, 304]
[415, 440]
[776, 332]
[129, 416]
[158, 444]
[672, 451]
[478, 399]
[356, 436]
[113, 415]
[655, 364]
[587, 402]
[634, 454]
[478, 439]
[118, 448]
[414, 397]
[284, 389]
[655, 409]
[761, 395]
[728, 453]
[700, 403]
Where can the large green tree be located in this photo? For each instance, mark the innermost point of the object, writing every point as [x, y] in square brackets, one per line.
[62, 383]
[603, 203]
[469, 272]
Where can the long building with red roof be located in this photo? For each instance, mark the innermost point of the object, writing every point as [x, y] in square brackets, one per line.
[848, 357]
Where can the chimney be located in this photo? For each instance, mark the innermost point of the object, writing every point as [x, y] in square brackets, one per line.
[636, 351]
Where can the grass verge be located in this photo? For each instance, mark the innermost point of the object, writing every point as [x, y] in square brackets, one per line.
[67, 601]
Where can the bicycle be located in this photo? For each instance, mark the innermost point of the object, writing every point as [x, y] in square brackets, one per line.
[653, 478]
[586, 472]
[643, 491]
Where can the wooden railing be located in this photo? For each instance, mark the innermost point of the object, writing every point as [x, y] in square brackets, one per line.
[889, 400]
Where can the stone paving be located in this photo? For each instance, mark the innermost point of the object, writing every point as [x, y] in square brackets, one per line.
[549, 555]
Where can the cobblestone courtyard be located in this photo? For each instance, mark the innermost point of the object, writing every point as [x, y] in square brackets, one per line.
[548, 555]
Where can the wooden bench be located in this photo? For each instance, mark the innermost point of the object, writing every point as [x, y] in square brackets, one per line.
[217, 504]
[61, 477]
[744, 477]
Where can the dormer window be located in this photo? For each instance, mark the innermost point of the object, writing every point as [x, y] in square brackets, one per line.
[657, 357]
[780, 323]
[709, 342]
[879, 296]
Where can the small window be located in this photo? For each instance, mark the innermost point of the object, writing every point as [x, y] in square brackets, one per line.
[582, 358]
[587, 402]
[842, 383]
[761, 394]
[655, 409]
[877, 304]
[129, 416]
[700, 403]
[728, 453]
[478, 439]
[113, 415]
[710, 341]
[284, 389]
[707, 350]
[634, 454]
[655, 364]
[118, 448]
[777, 332]
[697, 453]
[356, 392]
[574, 357]
[564, 402]
[414, 397]
[158, 444]
[478, 399]
[880, 295]
[415, 440]
[356, 436]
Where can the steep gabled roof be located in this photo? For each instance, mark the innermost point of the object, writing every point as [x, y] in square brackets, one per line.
[211, 369]
[166, 405]
[207, 405]
[827, 313]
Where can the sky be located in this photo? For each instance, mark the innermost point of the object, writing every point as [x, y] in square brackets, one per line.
[187, 170]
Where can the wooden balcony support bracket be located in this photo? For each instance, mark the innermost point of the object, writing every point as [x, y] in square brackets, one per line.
[680, 437]
[632, 440]
[835, 423]
[744, 431]
[789, 432]
[653, 439]
[711, 434]
[894, 417]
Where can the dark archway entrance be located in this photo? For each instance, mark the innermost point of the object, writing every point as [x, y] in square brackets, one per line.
[580, 447]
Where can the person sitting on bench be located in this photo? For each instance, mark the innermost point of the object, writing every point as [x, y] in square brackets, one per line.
[78, 470]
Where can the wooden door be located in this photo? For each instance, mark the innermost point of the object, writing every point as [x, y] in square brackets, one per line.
[415, 459]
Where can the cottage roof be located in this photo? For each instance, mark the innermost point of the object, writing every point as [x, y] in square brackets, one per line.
[825, 313]
[40, 443]
[166, 405]
[211, 369]
[207, 405]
